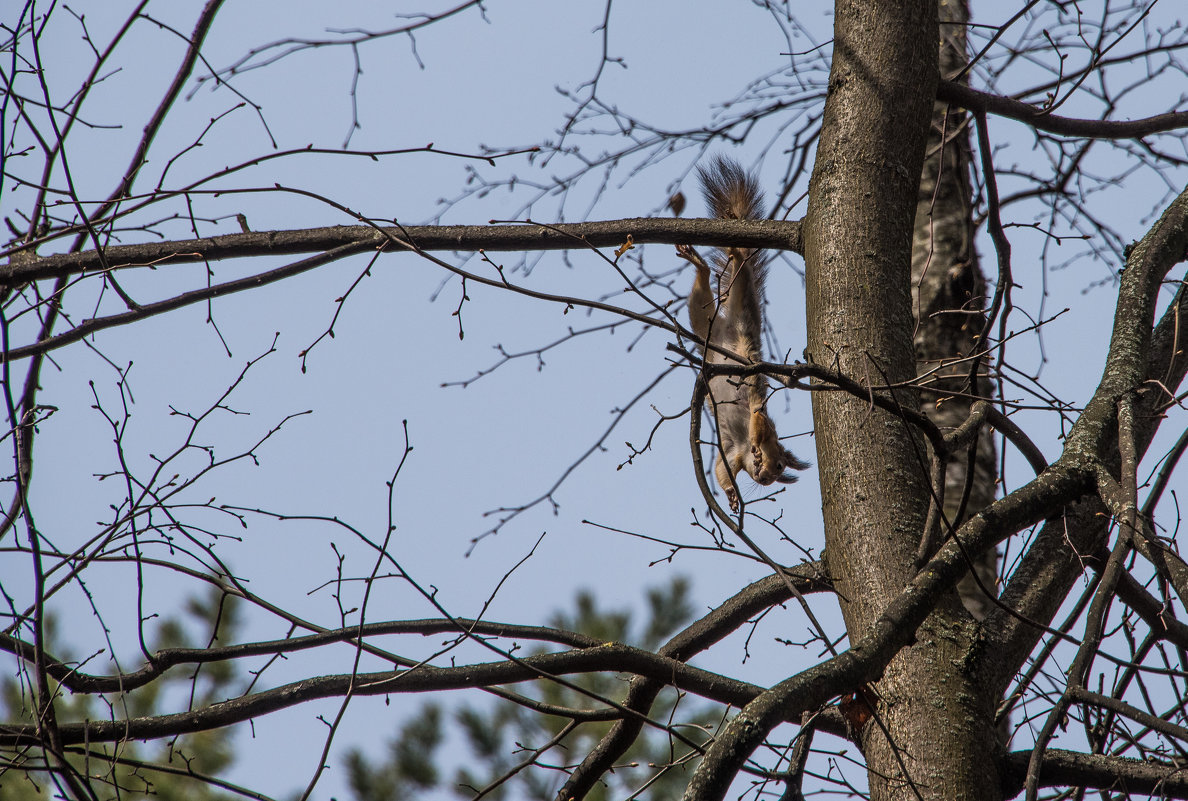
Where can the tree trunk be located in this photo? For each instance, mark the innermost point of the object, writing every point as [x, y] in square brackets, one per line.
[948, 299]
[933, 733]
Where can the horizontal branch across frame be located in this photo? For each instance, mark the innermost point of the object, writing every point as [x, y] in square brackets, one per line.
[769, 234]
[612, 657]
[772, 234]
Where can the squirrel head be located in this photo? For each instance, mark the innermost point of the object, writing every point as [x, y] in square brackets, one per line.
[770, 461]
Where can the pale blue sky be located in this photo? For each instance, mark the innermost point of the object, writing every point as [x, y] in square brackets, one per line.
[505, 439]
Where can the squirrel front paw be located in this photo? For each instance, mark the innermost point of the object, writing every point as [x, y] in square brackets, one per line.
[757, 459]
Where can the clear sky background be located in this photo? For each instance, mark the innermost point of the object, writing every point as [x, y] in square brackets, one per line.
[473, 81]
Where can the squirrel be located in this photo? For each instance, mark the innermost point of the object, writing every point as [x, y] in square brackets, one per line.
[733, 321]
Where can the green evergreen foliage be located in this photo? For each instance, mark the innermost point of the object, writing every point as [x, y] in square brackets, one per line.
[501, 737]
[409, 768]
[171, 770]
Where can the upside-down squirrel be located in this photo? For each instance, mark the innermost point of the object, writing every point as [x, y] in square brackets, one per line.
[732, 320]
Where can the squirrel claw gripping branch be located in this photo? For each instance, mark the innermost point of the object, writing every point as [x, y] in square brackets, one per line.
[732, 320]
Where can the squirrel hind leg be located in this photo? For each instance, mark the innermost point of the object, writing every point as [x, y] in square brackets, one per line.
[701, 299]
[690, 255]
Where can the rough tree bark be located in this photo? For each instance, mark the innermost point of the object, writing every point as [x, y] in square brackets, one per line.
[948, 302]
[858, 254]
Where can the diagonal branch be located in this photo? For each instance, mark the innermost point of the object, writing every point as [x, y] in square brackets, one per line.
[1048, 569]
[724, 619]
[893, 630]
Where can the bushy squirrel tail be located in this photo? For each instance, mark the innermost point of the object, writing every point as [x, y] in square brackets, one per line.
[734, 194]
[730, 192]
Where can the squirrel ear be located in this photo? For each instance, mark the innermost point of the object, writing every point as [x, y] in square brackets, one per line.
[792, 462]
[787, 478]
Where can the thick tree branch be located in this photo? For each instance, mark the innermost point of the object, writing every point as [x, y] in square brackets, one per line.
[642, 692]
[891, 632]
[1038, 587]
[772, 234]
[1048, 569]
[1127, 360]
[1066, 126]
[96, 324]
[786, 701]
[1062, 768]
[71, 678]
[612, 657]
